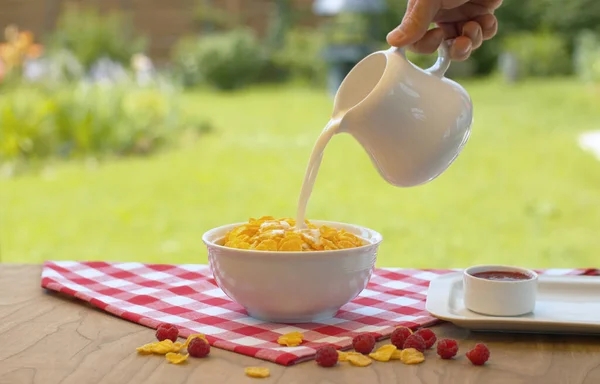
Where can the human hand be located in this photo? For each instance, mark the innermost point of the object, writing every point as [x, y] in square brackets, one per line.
[467, 22]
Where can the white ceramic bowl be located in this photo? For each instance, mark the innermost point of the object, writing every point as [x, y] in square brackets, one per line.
[499, 296]
[292, 287]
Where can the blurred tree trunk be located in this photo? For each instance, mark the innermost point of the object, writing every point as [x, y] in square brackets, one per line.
[207, 25]
[280, 23]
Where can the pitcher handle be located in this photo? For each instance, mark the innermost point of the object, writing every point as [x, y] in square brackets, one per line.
[442, 63]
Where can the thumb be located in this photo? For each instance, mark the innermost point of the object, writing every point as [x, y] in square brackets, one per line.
[416, 21]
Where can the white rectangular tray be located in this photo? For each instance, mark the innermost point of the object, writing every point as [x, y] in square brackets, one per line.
[565, 304]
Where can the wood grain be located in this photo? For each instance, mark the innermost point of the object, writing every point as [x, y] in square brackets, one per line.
[47, 338]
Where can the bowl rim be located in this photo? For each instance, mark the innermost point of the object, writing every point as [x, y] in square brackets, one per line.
[375, 241]
[530, 273]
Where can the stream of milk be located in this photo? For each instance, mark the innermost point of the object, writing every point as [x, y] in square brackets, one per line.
[312, 170]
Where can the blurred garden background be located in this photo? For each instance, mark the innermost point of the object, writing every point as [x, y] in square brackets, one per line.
[130, 127]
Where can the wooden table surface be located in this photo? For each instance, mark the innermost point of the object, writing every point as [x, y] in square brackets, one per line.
[48, 338]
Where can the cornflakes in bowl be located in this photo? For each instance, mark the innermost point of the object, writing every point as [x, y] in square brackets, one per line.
[281, 273]
[270, 234]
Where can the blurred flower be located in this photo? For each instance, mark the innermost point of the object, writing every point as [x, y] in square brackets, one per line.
[11, 33]
[17, 50]
[36, 69]
[143, 68]
[106, 70]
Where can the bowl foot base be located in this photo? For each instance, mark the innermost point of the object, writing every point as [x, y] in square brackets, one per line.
[291, 319]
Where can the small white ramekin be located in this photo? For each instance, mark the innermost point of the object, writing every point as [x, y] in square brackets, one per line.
[497, 297]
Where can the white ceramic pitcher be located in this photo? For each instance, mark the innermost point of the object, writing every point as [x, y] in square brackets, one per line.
[413, 123]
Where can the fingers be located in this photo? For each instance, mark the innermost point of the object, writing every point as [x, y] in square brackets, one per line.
[466, 35]
[488, 24]
[492, 5]
[414, 26]
[461, 48]
[470, 35]
[473, 34]
[429, 43]
[472, 30]
[470, 39]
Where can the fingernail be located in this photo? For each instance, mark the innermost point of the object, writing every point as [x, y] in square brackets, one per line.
[396, 34]
[467, 49]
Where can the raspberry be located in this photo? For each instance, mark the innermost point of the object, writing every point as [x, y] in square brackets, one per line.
[399, 336]
[479, 355]
[364, 343]
[327, 356]
[428, 336]
[447, 348]
[167, 331]
[416, 342]
[198, 347]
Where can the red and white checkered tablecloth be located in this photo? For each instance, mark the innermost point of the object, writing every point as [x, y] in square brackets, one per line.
[187, 296]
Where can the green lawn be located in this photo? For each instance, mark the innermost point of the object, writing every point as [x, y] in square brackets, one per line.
[522, 191]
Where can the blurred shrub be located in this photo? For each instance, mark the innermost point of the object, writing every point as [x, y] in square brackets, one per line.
[349, 28]
[224, 60]
[569, 17]
[90, 35]
[587, 57]
[186, 61]
[421, 61]
[300, 57]
[82, 120]
[213, 18]
[391, 18]
[539, 54]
